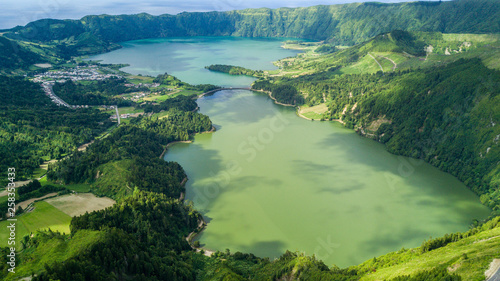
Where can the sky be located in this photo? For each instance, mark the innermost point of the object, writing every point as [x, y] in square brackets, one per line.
[20, 12]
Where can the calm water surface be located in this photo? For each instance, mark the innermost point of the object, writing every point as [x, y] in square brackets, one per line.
[186, 58]
[268, 181]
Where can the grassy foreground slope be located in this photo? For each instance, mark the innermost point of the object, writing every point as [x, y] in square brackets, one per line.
[469, 257]
[97, 255]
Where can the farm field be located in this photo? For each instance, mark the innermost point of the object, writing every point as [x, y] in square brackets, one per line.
[78, 204]
[44, 216]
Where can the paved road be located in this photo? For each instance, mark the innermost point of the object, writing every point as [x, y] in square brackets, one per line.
[47, 88]
[496, 276]
[494, 267]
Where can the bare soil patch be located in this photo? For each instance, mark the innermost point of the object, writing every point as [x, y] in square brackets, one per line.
[78, 204]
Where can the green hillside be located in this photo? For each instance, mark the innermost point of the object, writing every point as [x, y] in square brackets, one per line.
[13, 56]
[346, 24]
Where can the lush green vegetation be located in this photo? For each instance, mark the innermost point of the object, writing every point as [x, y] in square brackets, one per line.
[14, 56]
[130, 154]
[183, 103]
[93, 93]
[234, 70]
[339, 24]
[43, 216]
[172, 81]
[33, 129]
[285, 94]
[443, 109]
[35, 190]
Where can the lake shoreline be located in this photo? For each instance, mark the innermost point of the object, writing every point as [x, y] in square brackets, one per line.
[299, 109]
[213, 247]
[187, 141]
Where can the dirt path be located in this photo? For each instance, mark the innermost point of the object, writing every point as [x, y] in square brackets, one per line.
[25, 204]
[299, 113]
[83, 147]
[381, 68]
[17, 185]
[395, 64]
[201, 226]
[484, 240]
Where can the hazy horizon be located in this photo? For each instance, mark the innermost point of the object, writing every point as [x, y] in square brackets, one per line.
[15, 13]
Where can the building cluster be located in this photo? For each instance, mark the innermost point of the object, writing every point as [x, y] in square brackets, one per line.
[87, 73]
[47, 88]
[139, 95]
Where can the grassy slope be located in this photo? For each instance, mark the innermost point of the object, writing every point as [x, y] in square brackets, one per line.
[43, 217]
[469, 258]
[112, 180]
[357, 60]
[78, 187]
[55, 250]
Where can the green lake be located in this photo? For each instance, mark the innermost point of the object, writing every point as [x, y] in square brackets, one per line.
[268, 181]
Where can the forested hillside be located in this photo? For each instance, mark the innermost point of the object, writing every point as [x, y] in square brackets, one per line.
[33, 129]
[346, 24]
[94, 93]
[129, 157]
[14, 56]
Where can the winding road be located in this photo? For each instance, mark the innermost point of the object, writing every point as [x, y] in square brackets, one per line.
[395, 64]
[381, 68]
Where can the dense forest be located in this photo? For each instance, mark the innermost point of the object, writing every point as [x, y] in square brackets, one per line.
[94, 93]
[283, 93]
[13, 55]
[234, 70]
[137, 146]
[346, 24]
[183, 103]
[33, 129]
[172, 81]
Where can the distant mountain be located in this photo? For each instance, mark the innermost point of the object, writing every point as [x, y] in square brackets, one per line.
[346, 24]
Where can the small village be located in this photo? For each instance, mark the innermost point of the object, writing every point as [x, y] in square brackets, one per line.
[79, 73]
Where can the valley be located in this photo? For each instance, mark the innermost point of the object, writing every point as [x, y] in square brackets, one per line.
[397, 144]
